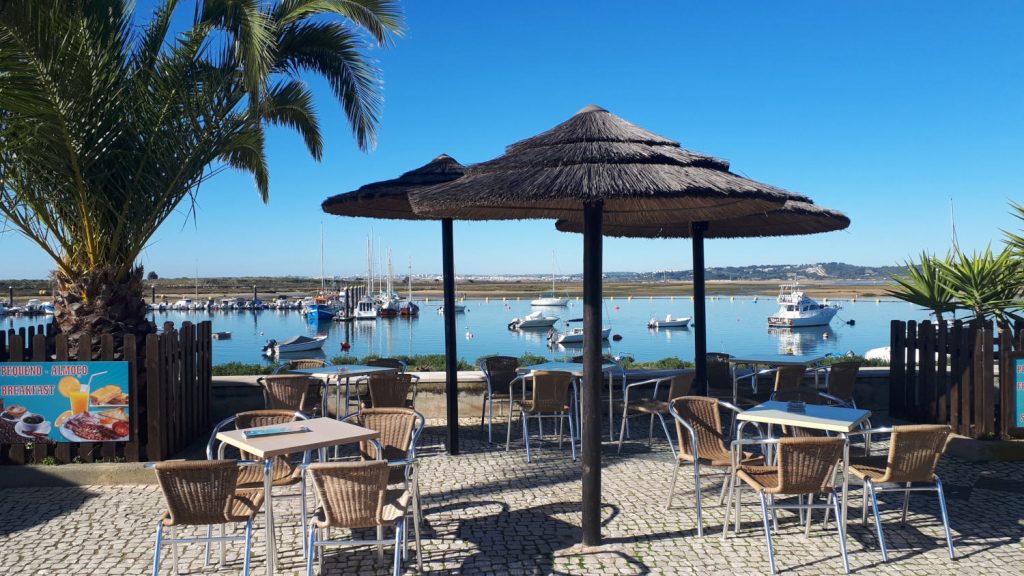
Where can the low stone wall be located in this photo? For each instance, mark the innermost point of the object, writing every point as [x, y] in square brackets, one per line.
[233, 394]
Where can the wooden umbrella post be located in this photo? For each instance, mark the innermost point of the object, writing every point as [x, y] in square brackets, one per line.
[590, 436]
[450, 355]
[700, 340]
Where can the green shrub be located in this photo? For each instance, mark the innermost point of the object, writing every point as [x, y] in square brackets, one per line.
[864, 362]
[50, 461]
[243, 369]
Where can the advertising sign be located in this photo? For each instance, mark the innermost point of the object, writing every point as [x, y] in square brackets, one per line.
[1018, 392]
[63, 402]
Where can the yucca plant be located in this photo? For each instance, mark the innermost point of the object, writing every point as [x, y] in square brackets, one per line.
[106, 128]
[921, 283]
[985, 283]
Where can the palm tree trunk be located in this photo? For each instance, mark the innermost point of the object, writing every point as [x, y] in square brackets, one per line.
[101, 303]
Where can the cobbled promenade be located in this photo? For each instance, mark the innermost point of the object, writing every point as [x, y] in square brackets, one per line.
[489, 512]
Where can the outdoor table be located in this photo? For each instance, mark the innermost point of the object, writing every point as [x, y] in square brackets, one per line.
[324, 432]
[576, 369]
[346, 371]
[816, 417]
[771, 364]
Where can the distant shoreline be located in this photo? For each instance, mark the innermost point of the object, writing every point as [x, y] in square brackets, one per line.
[269, 288]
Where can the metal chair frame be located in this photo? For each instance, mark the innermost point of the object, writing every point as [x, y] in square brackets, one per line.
[624, 429]
[872, 490]
[561, 416]
[696, 462]
[487, 409]
[769, 506]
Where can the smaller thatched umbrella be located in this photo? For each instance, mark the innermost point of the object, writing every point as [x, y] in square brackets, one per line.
[794, 218]
[390, 199]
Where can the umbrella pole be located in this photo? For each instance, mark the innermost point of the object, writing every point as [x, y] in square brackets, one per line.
[590, 436]
[700, 340]
[450, 361]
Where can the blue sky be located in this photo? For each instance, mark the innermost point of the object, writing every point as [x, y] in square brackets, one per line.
[885, 111]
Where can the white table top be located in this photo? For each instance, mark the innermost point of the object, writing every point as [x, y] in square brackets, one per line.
[816, 417]
[576, 368]
[344, 370]
[324, 432]
[778, 360]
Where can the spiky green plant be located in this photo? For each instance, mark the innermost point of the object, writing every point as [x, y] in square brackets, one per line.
[106, 128]
[985, 283]
[921, 283]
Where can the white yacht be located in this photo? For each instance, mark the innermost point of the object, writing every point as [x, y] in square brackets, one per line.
[551, 298]
[366, 309]
[535, 319]
[574, 335]
[669, 322]
[796, 310]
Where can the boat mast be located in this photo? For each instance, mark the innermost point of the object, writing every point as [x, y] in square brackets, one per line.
[321, 257]
[409, 290]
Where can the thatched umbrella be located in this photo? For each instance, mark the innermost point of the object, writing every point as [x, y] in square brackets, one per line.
[390, 199]
[794, 218]
[607, 169]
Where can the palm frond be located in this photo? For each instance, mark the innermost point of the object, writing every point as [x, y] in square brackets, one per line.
[291, 104]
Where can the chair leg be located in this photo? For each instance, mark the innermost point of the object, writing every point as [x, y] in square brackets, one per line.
[174, 550]
[311, 545]
[156, 551]
[864, 505]
[206, 552]
[508, 438]
[561, 433]
[526, 433]
[739, 501]
[417, 514]
[223, 553]
[945, 518]
[622, 428]
[668, 436]
[878, 520]
[303, 510]
[248, 547]
[572, 435]
[906, 505]
[672, 486]
[696, 490]
[767, 530]
[650, 433]
[399, 528]
[839, 528]
[725, 486]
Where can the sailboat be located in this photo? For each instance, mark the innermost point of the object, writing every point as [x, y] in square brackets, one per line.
[551, 298]
[408, 308]
[366, 308]
[321, 308]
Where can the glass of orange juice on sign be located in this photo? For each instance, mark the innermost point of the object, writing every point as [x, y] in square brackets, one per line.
[76, 392]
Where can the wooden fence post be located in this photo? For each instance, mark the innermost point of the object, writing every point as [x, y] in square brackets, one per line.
[924, 398]
[154, 395]
[897, 362]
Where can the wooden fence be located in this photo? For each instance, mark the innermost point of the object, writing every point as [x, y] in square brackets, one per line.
[169, 390]
[953, 372]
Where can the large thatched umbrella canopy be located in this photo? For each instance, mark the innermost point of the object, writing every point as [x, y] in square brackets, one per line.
[793, 218]
[597, 167]
[390, 199]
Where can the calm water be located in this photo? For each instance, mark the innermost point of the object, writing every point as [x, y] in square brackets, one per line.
[737, 326]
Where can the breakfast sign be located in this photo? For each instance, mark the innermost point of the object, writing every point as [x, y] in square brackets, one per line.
[63, 402]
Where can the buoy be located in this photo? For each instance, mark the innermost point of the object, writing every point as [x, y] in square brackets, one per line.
[732, 298]
[469, 335]
[878, 300]
[345, 346]
[616, 307]
[629, 298]
[824, 336]
[487, 299]
[617, 337]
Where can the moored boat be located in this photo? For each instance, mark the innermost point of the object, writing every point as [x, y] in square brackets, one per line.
[535, 319]
[669, 322]
[797, 310]
[294, 344]
[574, 335]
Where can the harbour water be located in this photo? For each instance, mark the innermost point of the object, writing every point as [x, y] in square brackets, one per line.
[737, 326]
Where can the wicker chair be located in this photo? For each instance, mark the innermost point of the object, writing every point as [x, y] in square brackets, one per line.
[390, 391]
[316, 397]
[842, 379]
[203, 493]
[499, 371]
[355, 495]
[295, 392]
[656, 405]
[914, 453]
[283, 471]
[719, 375]
[400, 430]
[548, 398]
[702, 442]
[789, 378]
[805, 467]
[300, 365]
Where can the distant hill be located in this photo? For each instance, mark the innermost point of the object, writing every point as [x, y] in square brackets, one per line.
[817, 271]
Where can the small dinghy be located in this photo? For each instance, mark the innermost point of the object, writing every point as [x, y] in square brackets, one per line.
[294, 344]
[670, 322]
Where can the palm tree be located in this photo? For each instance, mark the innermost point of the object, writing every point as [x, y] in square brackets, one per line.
[986, 284]
[921, 283]
[106, 128]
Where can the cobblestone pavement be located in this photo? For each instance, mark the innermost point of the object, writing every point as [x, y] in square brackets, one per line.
[489, 512]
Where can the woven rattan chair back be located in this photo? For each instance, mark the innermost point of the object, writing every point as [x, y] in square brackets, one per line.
[914, 452]
[389, 390]
[396, 426]
[387, 363]
[702, 413]
[680, 385]
[789, 377]
[550, 391]
[500, 371]
[305, 363]
[351, 493]
[287, 391]
[719, 374]
[806, 464]
[282, 466]
[842, 378]
[198, 491]
[805, 395]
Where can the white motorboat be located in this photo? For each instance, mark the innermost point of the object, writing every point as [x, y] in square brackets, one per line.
[574, 335]
[796, 310]
[669, 322]
[535, 319]
[183, 304]
[366, 309]
[294, 344]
